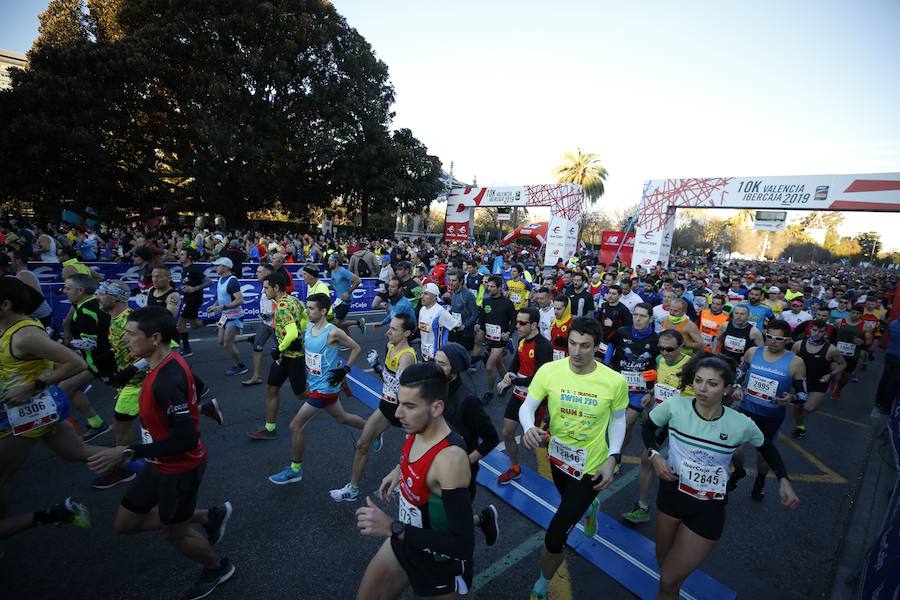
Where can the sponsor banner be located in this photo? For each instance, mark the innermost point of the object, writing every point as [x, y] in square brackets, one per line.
[656, 213]
[610, 241]
[363, 296]
[556, 241]
[881, 577]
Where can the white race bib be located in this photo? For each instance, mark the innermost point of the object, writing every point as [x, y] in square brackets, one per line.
[635, 381]
[457, 316]
[570, 459]
[409, 514]
[846, 348]
[707, 338]
[390, 387]
[146, 438]
[515, 298]
[222, 320]
[702, 482]
[558, 354]
[38, 412]
[493, 332]
[762, 387]
[735, 344]
[314, 363]
[603, 348]
[663, 392]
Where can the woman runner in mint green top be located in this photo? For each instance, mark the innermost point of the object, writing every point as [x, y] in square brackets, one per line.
[703, 435]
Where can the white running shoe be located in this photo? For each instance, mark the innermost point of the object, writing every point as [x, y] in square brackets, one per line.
[345, 494]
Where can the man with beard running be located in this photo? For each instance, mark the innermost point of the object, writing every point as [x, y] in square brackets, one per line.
[399, 356]
[738, 336]
[498, 318]
[824, 364]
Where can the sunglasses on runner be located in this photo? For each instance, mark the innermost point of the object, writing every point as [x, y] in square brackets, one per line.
[668, 349]
[778, 338]
[523, 322]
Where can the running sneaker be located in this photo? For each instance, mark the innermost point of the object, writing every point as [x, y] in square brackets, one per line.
[211, 409]
[70, 511]
[236, 370]
[261, 434]
[486, 399]
[216, 522]
[799, 432]
[489, 525]
[378, 443]
[361, 323]
[209, 580]
[185, 352]
[590, 518]
[514, 472]
[92, 432]
[758, 493]
[345, 494]
[734, 478]
[637, 515]
[288, 475]
[112, 479]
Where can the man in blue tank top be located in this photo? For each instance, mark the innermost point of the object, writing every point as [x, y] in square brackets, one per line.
[229, 305]
[325, 372]
[770, 378]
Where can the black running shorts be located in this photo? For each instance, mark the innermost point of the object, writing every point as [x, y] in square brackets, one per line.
[174, 493]
[706, 518]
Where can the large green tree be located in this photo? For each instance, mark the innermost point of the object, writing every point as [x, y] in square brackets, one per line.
[219, 106]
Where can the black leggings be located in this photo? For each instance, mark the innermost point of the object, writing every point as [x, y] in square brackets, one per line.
[575, 496]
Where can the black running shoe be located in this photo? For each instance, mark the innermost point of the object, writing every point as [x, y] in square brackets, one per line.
[734, 478]
[758, 493]
[489, 525]
[211, 409]
[92, 432]
[209, 580]
[216, 522]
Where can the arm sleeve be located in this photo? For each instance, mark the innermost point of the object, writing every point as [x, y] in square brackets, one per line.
[773, 458]
[291, 333]
[526, 411]
[458, 540]
[616, 431]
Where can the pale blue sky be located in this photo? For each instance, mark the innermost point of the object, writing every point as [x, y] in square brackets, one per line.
[658, 89]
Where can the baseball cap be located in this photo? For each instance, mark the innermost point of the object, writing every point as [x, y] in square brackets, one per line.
[385, 258]
[225, 262]
[774, 290]
[431, 288]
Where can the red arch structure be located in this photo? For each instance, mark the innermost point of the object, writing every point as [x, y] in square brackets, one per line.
[565, 200]
[877, 192]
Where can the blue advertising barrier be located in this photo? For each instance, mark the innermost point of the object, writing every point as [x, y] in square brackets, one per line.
[881, 572]
[50, 278]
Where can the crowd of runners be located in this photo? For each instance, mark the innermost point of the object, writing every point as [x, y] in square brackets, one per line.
[706, 357]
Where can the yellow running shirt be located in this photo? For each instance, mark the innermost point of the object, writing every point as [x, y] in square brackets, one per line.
[518, 293]
[580, 408]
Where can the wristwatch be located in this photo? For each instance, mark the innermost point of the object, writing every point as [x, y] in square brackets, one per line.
[397, 527]
[39, 385]
[652, 453]
[128, 454]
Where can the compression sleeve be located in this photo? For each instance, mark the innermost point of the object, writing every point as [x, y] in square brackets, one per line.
[291, 333]
[616, 431]
[526, 411]
[184, 438]
[458, 540]
[773, 457]
[648, 433]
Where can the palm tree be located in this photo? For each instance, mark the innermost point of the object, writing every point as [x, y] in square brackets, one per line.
[583, 168]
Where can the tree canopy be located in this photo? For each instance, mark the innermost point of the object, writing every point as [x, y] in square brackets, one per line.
[212, 106]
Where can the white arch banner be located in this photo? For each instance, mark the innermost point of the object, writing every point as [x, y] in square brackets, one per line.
[878, 192]
[564, 199]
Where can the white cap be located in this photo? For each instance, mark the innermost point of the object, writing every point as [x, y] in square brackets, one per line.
[774, 290]
[431, 288]
[219, 237]
[225, 262]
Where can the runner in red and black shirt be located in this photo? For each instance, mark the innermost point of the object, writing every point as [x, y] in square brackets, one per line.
[532, 352]
[164, 494]
[559, 329]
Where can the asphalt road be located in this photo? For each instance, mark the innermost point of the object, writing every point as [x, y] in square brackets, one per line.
[295, 542]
